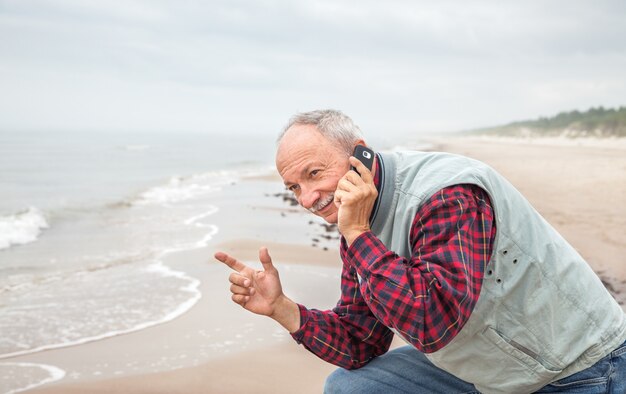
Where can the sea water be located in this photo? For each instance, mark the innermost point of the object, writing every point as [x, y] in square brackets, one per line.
[85, 222]
[86, 219]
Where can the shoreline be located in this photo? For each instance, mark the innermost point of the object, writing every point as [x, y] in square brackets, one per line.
[584, 174]
[214, 328]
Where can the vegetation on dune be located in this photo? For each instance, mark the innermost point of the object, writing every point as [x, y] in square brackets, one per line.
[598, 122]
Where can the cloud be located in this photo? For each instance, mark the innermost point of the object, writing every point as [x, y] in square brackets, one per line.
[248, 65]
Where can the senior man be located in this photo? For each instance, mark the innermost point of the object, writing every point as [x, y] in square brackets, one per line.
[444, 252]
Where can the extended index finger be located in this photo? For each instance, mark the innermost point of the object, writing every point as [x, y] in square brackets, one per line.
[230, 261]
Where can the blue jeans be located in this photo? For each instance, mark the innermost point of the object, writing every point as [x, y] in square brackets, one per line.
[406, 370]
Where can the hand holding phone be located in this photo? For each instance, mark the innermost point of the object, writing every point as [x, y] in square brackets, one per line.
[355, 197]
[365, 155]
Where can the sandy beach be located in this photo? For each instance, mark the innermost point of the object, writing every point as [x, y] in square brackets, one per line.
[218, 348]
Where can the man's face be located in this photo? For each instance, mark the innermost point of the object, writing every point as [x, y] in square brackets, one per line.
[311, 166]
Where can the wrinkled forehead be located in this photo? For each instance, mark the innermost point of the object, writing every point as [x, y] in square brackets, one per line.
[297, 140]
[300, 133]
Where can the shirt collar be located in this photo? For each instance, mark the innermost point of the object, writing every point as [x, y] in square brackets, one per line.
[377, 182]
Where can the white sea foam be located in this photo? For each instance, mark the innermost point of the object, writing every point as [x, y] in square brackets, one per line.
[102, 271]
[195, 220]
[18, 376]
[21, 228]
[69, 326]
[175, 191]
[191, 288]
[180, 189]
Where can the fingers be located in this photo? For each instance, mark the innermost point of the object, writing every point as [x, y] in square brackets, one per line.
[337, 198]
[365, 173]
[266, 260]
[245, 291]
[230, 261]
[241, 288]
[240, 299]
[353, 192]
[347, 185]
[244, 281]
[239, 280]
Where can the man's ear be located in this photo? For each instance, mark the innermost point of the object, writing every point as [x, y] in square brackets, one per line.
[358, 142]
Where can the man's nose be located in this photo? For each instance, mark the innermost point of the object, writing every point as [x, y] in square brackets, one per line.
[308, 197]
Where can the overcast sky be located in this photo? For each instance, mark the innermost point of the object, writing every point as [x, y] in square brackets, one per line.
[248, 65]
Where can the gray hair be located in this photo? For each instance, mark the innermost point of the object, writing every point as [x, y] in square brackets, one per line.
[332, 124]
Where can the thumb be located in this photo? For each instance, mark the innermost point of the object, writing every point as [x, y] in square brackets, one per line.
[265, 258]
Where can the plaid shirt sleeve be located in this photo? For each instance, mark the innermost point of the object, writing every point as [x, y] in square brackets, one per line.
[427, 298]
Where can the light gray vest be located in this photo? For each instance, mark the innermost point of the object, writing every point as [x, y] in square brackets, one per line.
[542, 313]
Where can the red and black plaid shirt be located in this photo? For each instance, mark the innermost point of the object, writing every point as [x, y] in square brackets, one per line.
[427, 299]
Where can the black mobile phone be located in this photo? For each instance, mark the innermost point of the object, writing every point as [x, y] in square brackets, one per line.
[365, 155]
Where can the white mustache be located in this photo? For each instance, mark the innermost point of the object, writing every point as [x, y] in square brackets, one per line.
[321, 204]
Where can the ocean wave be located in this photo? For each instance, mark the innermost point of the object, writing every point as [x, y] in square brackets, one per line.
[179, 189]
[34, 301]
[67, 323]
[19, 376]
[21, 228]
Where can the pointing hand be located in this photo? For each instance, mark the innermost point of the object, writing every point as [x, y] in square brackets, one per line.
[256, 291]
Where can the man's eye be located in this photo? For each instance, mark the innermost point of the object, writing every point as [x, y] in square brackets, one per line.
[314, 172]
[293, 188]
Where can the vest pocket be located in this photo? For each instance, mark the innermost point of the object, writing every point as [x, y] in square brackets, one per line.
[489, 361]
[521, 353]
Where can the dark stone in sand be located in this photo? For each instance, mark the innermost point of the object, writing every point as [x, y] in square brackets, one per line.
[609, 286]
[329, 227]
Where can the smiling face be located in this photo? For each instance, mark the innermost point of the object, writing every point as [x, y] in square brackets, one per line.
[311, 166]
